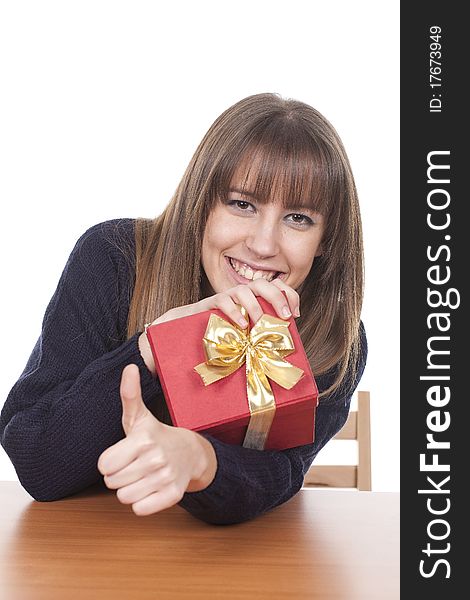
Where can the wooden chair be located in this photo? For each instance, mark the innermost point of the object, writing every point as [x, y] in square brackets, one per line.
[357, 427]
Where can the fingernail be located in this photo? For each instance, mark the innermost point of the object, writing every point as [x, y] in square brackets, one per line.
[297, 312]
[285, 311]
[243, 323]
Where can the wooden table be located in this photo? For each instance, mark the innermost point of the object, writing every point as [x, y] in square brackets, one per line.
[321, 544]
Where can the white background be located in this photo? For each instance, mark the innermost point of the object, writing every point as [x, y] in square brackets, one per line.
[103, 103]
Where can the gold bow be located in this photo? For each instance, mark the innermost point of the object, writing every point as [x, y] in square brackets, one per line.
[262, 350]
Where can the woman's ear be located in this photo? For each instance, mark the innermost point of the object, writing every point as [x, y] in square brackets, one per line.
[319, 251]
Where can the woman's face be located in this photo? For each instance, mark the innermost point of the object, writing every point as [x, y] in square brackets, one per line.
[245, 240]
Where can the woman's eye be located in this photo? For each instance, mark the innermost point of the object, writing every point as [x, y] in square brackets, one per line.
[242, 205]
[300, 219]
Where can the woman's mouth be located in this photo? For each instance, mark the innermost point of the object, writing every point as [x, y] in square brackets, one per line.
[249, 273]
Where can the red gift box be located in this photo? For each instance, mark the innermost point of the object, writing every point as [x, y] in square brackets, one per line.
[221, 409]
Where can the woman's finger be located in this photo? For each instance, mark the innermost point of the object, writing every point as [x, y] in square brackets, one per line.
[158, 501]
[225, 303]
[268, 291]
[247, 297]
[118, 456]
[292, 296]
[151, 483]
[148, 462]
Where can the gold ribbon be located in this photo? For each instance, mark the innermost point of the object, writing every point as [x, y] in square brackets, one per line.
[262, 350]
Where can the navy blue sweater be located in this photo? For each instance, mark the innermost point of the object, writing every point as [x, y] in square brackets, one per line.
[65, 408]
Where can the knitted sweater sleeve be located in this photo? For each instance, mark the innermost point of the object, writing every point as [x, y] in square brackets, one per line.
[65, 409]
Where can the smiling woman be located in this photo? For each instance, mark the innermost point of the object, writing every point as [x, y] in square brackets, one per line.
[266, 208]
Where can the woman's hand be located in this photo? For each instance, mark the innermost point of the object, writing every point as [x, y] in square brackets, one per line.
[244, 295]
[155, 464]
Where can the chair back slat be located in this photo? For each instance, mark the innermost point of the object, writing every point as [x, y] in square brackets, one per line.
[357, 427]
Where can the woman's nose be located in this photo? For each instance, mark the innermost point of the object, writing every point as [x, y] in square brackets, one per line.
[262, 239]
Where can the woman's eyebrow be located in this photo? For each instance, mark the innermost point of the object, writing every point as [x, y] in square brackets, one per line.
[301, 208]
[243, 192]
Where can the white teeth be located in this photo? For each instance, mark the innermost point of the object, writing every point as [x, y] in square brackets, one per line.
[248, 273]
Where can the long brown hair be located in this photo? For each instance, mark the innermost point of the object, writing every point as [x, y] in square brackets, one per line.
[300, 159]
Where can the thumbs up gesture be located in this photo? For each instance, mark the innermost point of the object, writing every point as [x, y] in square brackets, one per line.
[155, 464]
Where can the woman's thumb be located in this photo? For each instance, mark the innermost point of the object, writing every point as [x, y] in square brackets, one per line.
[133, 407]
